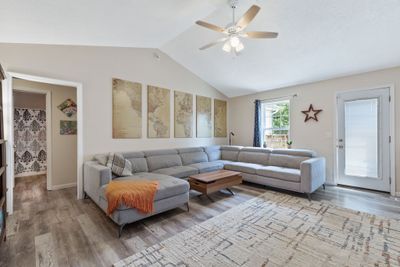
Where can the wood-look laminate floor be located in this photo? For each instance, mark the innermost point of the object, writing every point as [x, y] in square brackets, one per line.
[52, 228]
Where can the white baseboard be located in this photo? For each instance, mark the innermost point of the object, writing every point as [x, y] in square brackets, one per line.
[330, 182]
[26, 174]
[62, 186]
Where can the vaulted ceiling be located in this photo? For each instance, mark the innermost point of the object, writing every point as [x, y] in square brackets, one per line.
[318, 39]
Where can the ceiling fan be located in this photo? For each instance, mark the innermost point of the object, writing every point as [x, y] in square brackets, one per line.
[235, 30]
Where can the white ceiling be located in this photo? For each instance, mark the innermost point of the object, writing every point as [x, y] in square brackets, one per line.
[318, 39]
[128, 23]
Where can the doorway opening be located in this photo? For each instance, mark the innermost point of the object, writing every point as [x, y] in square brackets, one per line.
[31, 122]
[365, 139]
[44, 135]
[64, 137]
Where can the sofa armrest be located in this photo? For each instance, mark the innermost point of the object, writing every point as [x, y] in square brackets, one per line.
[94, 177]
[313, 174]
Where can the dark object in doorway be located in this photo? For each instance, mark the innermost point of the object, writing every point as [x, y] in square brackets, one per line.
[231, 134]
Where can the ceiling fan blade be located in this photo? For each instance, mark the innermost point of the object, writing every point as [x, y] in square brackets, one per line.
[248, 17]
[260, 34]
[213, 43]
[210, 26]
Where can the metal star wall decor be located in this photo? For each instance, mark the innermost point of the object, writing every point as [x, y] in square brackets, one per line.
[311, 113]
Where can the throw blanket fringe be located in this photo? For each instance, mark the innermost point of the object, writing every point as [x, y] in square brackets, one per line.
[135, 194]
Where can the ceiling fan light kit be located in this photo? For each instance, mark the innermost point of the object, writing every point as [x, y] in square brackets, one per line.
[239, 47]
[234, 41]
[234, 30]
[227, 47]
[233, 44]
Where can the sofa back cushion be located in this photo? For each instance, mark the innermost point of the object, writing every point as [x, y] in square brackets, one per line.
[158, 152]
[193, 157]
[190, 149]
[163, 161]
[230, 152]
[296, 152]
[286, 161]
[254, 155]
[139, 163]
[159, 159]
[213, 152]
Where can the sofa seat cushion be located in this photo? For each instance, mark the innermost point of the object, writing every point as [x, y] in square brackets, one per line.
[168, 186]
[223, 161]
[281, 173]
[250, 168]
[178, 171]
[208, 166]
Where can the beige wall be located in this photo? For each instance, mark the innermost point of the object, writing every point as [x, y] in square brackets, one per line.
[314, 135]
[64, 147]
[29, 100]
[94, 67]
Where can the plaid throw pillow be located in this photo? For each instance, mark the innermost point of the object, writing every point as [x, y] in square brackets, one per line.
[119, 165]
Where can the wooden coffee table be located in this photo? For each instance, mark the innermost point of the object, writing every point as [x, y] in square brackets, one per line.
[211, 182]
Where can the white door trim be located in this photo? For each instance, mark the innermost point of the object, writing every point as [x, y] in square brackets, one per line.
[49, 139]
[9, 132]
[392, 133]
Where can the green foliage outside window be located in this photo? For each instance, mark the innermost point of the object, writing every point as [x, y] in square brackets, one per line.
[280, 119]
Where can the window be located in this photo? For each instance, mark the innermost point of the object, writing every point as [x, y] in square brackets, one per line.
[275, 123]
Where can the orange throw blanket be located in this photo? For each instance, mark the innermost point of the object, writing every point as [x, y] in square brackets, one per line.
[135, 194]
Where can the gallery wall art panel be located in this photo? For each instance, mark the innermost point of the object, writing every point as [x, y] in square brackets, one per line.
[158, 112]
[127, 109]
[30, 154]
[68, 107]
[68, 128]
[183, 115]
[203, 116]
[220, 119]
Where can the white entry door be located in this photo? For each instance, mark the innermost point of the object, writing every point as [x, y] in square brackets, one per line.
[363, 145]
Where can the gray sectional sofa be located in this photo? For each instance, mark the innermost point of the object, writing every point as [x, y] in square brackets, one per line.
[292, 169]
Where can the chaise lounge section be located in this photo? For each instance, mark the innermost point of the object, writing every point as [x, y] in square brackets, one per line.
[291, 169]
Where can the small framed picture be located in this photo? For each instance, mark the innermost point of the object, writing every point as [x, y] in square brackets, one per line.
[68, 128]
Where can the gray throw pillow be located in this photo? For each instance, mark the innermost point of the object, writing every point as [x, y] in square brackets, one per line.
[119, 165]
[101, 159]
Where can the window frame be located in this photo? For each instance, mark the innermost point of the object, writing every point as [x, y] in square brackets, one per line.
[269, 101]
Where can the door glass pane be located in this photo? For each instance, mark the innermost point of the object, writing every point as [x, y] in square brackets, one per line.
[361, 138]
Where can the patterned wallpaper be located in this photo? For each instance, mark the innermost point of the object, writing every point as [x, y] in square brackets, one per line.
[30, 141]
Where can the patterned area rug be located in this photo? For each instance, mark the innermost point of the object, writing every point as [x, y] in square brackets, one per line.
[276, 229]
